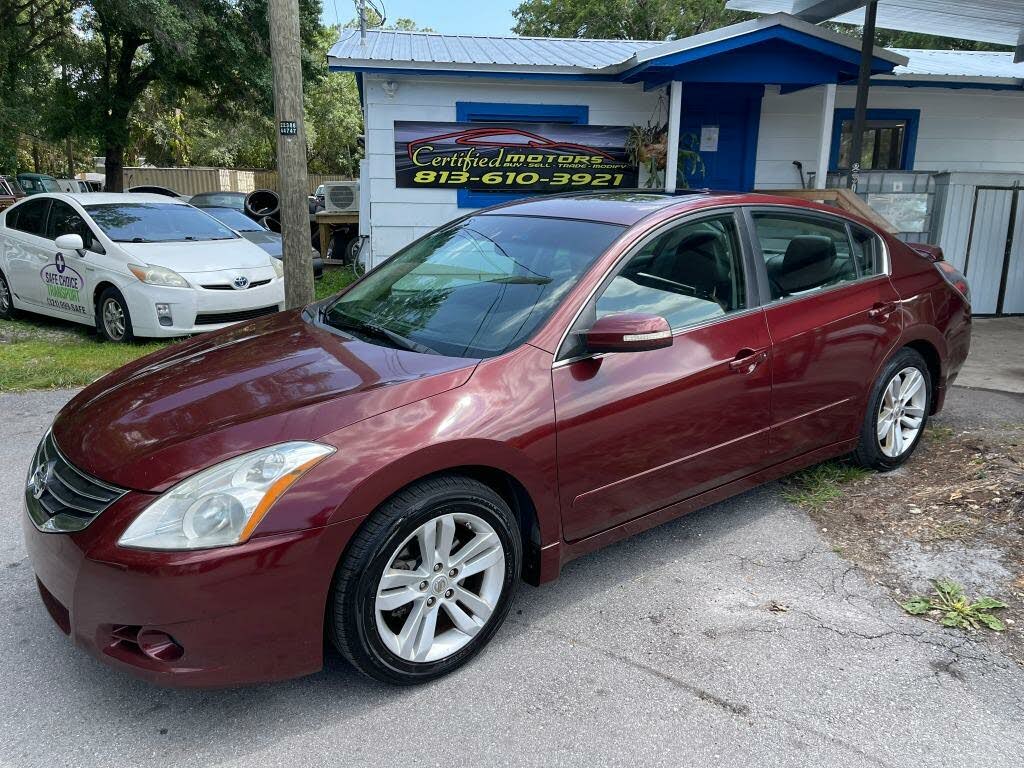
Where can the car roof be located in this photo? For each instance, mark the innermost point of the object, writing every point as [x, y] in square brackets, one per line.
[627, 207]
[108, 198]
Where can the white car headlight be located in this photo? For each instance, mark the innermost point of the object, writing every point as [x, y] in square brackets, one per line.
[278, 266]
[222, 505]
[154, 275]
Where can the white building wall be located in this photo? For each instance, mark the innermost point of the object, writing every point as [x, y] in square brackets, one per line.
[961, 129]
[399, 216]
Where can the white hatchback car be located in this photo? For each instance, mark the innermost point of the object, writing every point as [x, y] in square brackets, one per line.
[135, 265]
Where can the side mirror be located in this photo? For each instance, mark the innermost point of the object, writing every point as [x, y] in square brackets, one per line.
[70, 243]
[628, 332]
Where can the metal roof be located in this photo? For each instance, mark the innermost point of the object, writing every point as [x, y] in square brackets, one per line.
[392, 49]
[420, 50]
[980, 64]
[990, 21]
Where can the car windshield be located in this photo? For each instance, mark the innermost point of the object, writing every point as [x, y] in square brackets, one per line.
[235, 219]
[219, 200]
[474, 289]
[156, 223]
[48, 184]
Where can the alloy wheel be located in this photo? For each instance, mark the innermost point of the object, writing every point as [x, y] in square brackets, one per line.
[901, 412]
[113, 319]
[5, 297]
[440, 587]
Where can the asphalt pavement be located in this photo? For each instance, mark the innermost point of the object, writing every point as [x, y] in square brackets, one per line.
[666, 649]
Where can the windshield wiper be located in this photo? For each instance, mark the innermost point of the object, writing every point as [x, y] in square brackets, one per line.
[364, 328]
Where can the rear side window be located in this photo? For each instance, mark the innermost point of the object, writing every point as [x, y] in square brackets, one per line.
[867, 251]
[31, 217]
[803, 254]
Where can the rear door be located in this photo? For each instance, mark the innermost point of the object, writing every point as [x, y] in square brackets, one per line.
[833, 317]
[639, 431]
[27, 249]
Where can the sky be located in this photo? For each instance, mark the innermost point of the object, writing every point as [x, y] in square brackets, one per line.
[466, 17]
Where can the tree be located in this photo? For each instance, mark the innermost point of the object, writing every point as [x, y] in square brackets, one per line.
[622, 19]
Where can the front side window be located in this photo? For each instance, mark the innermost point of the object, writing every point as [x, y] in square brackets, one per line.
[65, 220]
[474, 289]
[882, 148]
[803, 254]
[689, 274]
[156, 223]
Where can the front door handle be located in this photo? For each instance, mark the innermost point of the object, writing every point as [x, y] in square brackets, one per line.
[747, 360]
[882, 310]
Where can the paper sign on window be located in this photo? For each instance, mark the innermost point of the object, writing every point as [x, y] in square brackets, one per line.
[709, 138]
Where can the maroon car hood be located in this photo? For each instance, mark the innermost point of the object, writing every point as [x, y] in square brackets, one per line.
[168, 415]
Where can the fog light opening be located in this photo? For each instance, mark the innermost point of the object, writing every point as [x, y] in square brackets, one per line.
[159, 645]
[163, 314]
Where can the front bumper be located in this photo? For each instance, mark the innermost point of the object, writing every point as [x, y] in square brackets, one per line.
[196, 310]
[243, 614]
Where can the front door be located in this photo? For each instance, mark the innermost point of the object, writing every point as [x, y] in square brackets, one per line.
[67, 275]
[639, 431]
[718, 136]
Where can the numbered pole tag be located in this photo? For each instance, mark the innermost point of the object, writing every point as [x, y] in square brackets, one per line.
[289, 128]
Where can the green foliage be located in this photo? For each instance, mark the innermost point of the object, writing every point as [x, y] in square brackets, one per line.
[816, 486]
[622, 19]
[949, 602]
[334, 279]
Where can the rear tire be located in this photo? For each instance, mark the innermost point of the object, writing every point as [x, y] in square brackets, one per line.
[897, 412]
[113, 321]
[405, 618]
[7, 310]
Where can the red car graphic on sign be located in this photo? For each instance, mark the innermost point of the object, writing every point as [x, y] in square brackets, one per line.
[504, 137]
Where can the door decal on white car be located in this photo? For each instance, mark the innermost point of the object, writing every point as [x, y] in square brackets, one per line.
[64, 286]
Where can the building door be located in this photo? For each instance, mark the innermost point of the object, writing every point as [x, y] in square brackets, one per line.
[719, 125]
[995, 251]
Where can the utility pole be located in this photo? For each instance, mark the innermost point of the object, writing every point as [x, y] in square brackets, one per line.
[867, 54]
[293, 186]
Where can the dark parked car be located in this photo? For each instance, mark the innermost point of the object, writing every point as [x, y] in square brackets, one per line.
[511, 391]
[35, 183]
[154, 189]
[256, 233]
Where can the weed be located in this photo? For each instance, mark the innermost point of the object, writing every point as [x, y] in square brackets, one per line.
[816, 486]
[949, 601]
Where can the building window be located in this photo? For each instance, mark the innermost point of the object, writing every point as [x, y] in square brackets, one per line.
[890, 137]
[487, 112]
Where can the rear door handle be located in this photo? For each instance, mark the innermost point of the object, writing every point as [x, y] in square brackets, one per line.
[747, 360]
[882, 310]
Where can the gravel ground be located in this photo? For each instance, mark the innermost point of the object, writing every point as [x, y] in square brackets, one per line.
[666, 649]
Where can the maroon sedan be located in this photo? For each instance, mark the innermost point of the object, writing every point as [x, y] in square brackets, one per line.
[511, 391]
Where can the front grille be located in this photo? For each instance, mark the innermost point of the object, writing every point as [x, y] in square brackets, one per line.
[215, 318]
[226, 287]
[62, 498]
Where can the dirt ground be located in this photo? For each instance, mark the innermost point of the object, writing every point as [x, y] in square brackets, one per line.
[955, 510]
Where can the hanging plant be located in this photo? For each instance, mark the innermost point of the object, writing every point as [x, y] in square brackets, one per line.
[647, 146]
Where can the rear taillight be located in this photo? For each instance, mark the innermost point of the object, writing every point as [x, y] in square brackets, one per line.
[956, 278]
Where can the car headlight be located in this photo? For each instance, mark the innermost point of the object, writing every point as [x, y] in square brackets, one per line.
[222, 505]
[154, 275]
[278, 267]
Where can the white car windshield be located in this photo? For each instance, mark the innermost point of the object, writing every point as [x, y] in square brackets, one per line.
[156, 223]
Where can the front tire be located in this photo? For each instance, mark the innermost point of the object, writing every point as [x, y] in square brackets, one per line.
[897, 412]
[113, 321]
[427, 581]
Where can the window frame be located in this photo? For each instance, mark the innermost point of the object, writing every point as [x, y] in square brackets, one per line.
[94, 246]
[780, 209]
[913, 118]
[753, 282]
[496, 112]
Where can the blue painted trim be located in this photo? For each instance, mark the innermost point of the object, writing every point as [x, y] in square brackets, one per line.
[957, 84]
[826, 48]
[473, 73]
[493, 112]
[912, 116]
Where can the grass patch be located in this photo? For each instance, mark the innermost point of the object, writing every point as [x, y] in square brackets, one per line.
[334, 279]
[949, 602]
[46, 355]
[816, 486]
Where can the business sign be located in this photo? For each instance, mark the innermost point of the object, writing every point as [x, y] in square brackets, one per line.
[520, 157]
